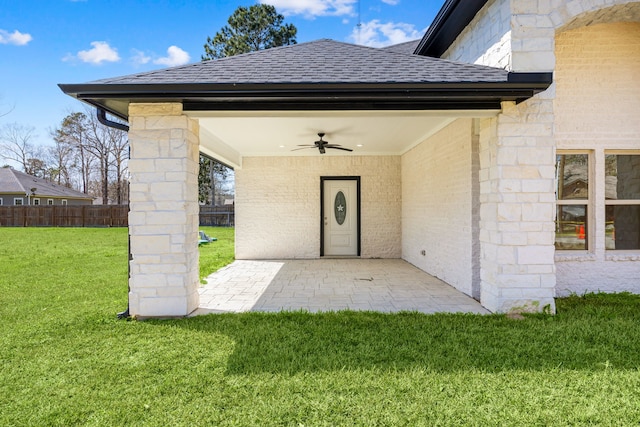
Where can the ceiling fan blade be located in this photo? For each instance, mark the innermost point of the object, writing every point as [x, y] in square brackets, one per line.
[303, 148]
[341, 148]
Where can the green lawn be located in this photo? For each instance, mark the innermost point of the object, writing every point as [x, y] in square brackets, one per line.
[216, 254]
[66, 360]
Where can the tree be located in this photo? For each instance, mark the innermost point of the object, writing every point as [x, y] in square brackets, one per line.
[96, 149]
[74, 132]
[15, 145]
[250, 29]
[211, 178]
[60, 159]
[4, 111]
[101, 143]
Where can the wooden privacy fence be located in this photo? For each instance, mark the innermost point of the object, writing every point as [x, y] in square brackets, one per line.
[94, 216]
[221, 216]
[64, 216]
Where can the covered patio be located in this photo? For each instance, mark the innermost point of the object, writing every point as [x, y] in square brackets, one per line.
[385, 285]
[416, 166]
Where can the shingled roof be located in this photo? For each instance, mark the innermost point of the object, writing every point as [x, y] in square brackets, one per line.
[15, 182]
[406, 47]
[321, 61]
[323, 74]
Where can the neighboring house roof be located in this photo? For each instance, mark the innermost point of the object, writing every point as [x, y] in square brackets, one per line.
[319, 75]
[453, 17]
[14, 182]
[406, 47]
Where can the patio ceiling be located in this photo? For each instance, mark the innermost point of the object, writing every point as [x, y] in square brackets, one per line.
[230, 136]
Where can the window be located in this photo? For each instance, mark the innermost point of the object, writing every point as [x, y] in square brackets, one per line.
[1, 201]
[622, 201]
[36, 202]
[50, 202]
[64, 202]
[17, 201]
[572, 200]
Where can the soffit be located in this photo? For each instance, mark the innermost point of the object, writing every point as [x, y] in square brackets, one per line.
[230, 136]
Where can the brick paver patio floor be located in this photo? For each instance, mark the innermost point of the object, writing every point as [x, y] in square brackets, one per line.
[385, 285]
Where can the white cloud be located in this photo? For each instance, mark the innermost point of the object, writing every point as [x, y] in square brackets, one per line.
[16, 38]
[139, 57]
[391, 2]
[313, 8]
[376, 34]
[175, 56]
[99, 53]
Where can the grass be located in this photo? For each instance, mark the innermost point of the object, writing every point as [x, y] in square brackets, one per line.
[217, 254]
[65, 360]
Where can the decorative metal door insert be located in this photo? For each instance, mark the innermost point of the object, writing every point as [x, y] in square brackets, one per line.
[340, 207]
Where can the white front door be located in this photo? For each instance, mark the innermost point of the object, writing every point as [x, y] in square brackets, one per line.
[340, 217]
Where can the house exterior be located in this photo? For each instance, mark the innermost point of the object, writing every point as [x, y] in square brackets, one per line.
[20, 189]
[467, 151]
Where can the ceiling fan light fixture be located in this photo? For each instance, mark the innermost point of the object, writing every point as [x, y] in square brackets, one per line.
[321, 145]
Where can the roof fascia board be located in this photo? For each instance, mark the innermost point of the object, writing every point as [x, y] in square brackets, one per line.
[453, 17]
[171, 90]
[316, 96]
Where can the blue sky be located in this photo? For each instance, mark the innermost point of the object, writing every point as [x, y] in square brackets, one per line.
[46, 42]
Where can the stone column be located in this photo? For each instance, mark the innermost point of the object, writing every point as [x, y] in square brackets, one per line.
[517, 205]
[163, 218]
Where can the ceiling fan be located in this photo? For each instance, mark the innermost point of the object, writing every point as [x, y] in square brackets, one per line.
[321, 145]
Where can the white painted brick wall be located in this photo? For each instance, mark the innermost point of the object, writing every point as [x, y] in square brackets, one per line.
[278, 205]
[598, 85]
[437, 205]
[597, 103]
[582, 274]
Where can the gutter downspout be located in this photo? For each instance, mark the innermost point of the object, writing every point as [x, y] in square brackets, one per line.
[102, 118]
[101, 114]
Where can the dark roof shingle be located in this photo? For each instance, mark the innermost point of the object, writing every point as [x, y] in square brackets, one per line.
[321, 61]
[12, 181]
[406, 47]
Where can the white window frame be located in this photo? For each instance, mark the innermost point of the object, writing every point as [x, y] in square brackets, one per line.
[50, 202]
[1, 201]
[35, 201]
[64, 202]
[619, 202]
[18, 201]
[588, 202]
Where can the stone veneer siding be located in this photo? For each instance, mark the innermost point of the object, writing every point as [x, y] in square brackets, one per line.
[517, 203]
[597, 103]
[437, 205]
[487, 38]
[163, 220]
[277, 205]
[517, 150]
[519, 35]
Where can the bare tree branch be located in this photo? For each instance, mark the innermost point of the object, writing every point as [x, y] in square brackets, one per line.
[15, 144]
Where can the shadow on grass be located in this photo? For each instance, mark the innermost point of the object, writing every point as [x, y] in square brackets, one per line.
[595, 332]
